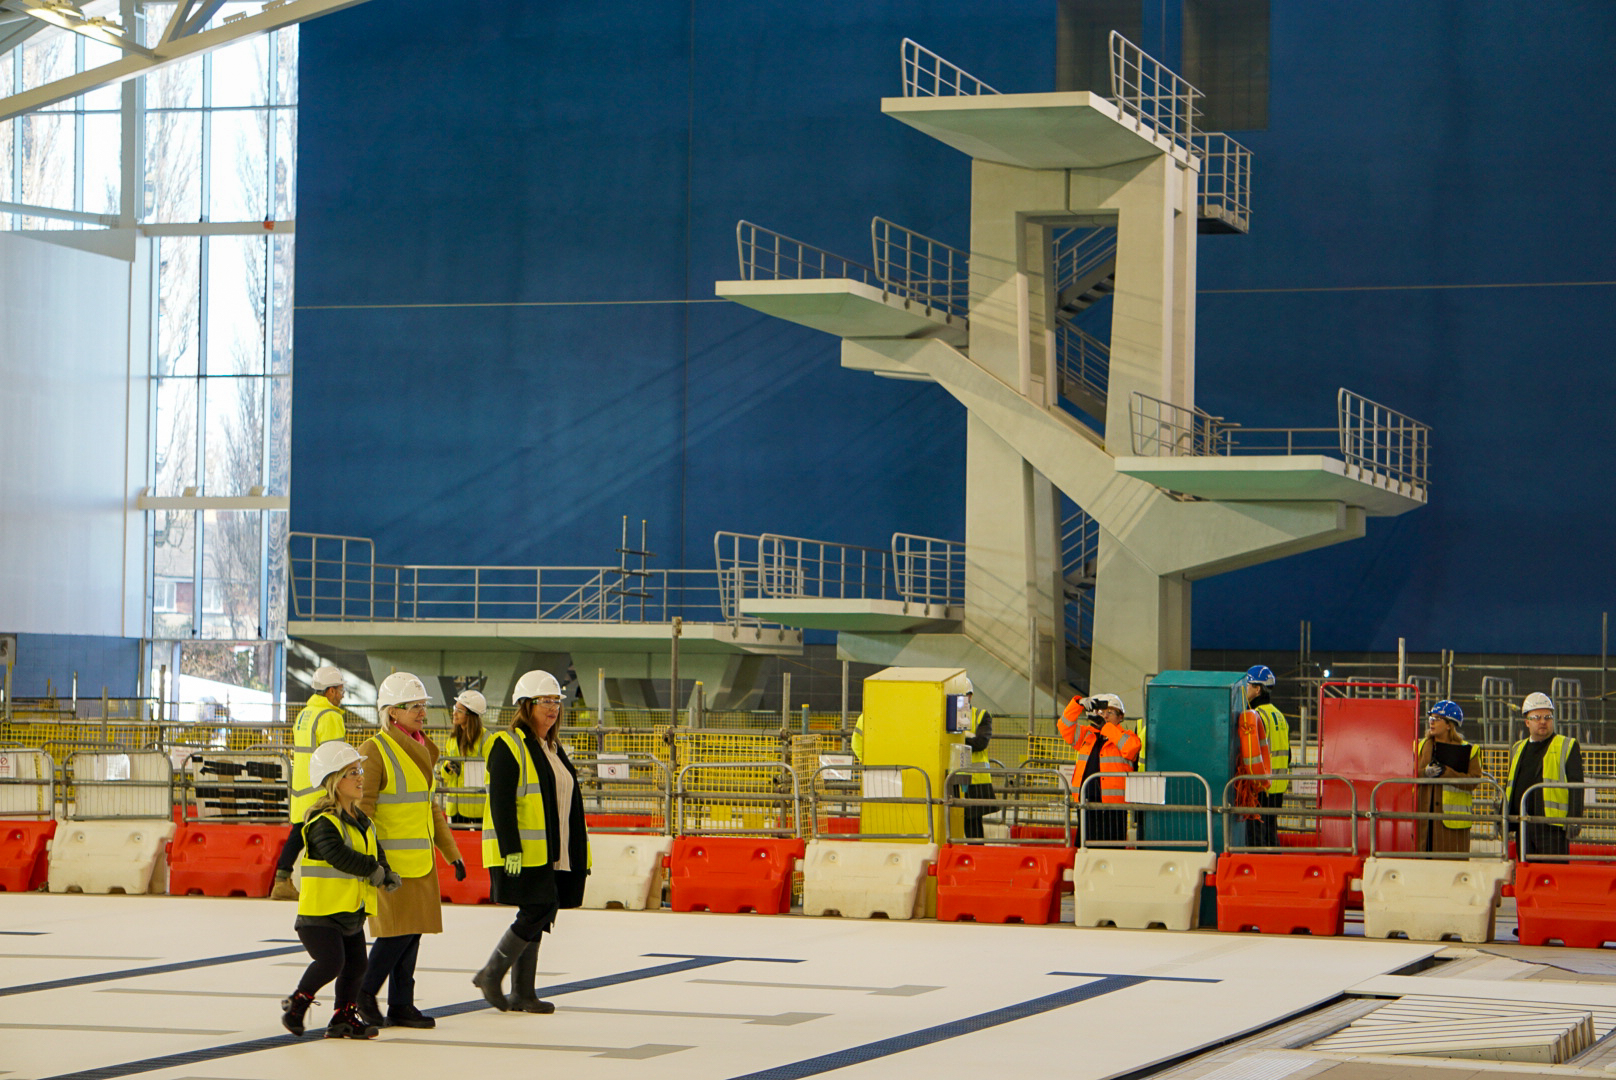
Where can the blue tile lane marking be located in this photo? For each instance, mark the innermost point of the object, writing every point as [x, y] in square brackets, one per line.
[857, 1055]
[158, 969]
[271, 1042]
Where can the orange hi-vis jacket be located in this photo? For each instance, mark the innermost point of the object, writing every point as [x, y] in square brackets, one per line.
[1254, 760]
[1118, 748]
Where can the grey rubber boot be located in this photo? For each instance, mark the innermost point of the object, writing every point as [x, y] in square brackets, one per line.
[523, 973]
[490, 978]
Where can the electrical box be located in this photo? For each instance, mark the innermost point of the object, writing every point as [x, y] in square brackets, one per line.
[912, 716]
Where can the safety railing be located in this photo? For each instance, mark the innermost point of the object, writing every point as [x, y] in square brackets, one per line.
[927, 570]
[1162, 429]
[1084, 362]
[1384, 443]
[626, 792]
[927, 270]
[914, 570]
[1225, 189]
[794, 566]
[1334, 828]
[1157, 810]
[1482, 823]
[27, 783]
[723, 803]
[138, 784]
[870, 797]
[1151, 93]
[1497, 702]
[1588, 836]
[925, 74]
[236, 786]
[1083, 254]
[1033, 802]
[766, 255]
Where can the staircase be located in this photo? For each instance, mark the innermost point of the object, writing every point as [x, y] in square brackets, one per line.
[1080, 549]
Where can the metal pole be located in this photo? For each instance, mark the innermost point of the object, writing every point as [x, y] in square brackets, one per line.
[805, 718]
[8, 697]
[106, 733]
[845, 678]
[1604, 657]
[1447, 683]
[1402, 663]
[162, 693]
[75, 695]
[785, 700]
[600, 711]
[673, 674]
[1032, 669]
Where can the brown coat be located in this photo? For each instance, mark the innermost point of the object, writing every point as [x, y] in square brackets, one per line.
[1433, 835]
[415, 907]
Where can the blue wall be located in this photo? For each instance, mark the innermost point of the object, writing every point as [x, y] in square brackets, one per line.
[51, 659]
[592, 168]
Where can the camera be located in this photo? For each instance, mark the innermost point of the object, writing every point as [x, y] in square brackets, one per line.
[1095, 717]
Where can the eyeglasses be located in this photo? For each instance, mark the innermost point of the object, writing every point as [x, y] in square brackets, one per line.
[414, 706]
[554, 702]
[351, 774]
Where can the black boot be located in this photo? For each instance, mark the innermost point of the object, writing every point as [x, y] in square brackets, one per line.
[409, 1017]
[523, 972]
[296, 1008]
[488, 980]
[369, 1011]
[346, 1023]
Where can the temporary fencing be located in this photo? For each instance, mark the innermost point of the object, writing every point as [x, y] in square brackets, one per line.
[1034, 802]
[1281, 889]
[235, 785]
[1565, 881]
[870, 802]
[27, 783]
[1144, 866]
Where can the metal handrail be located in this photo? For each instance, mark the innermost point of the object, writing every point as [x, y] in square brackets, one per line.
[915, 569]
[1083, 358]
[1204, 807]
[1580, 821]
[1377, 815]
[1011, 797]
[928, 570]
[927, 801]
[767, 255]
[1225, 186]
[46, 767]
[927, 270]
[1384, 443]
[925, 74]
[796, 566]
[1153, 94]
[1079, 252]
[1162, 429]
[760, 798]
[588, 766]
[1316, 813]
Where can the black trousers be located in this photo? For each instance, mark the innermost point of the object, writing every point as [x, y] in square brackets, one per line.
[1105, 824]
[1542, 840]
[533, 920]
[392, 960]
[291, 849]
[975, 814]
[1263, 830]
[336, 956]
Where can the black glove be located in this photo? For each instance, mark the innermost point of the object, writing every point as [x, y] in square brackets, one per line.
[391, 881]
[378, 875]
[460, 869]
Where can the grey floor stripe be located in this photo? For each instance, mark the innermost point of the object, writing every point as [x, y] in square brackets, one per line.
[158, 969]
[110, 1027]
[631, 1053]
[21, 933]
[786, 1019]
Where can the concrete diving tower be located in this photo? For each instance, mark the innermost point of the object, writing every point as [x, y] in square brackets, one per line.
[1076, 197]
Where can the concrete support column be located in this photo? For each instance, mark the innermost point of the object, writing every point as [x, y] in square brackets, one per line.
[1141, 623]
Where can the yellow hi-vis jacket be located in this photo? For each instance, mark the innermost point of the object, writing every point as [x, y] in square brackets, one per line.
[979, 757]
[327, 890]
[1556, 800]
[1279, 746]
[1456, 799]
[403, 819]
[529, 809]
[319, 722]
[453, 773]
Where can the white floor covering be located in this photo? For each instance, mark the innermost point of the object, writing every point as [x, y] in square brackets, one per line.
[855, 999]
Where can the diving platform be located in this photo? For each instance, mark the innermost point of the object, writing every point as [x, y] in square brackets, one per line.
[846, 308]
[1275, 478]
[854, 614]
[551, 637]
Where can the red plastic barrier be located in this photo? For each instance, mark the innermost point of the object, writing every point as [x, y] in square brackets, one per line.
[23, 865]
[842, 825]
[733, 873]
[1366, 740]
[1039, 832]
[1574, 902]
[476, 888]
[616, 822]
[224, 859]
[1285, 894]
[1001, 884]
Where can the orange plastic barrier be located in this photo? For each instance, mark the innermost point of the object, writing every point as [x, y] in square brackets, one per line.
[1574, 902]
[733, 873]
[1285, 894]
[614, 822]
[1001, 884]
[23, 865]
[224, 860]
[476, 888]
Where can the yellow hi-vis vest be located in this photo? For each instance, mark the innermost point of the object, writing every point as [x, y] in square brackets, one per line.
[327, 890]
[979, 757]
[319, 722]
[403, 819]
[1279, 746]
[466, 806]
[1556, 800]
[1456, 800]
[529, 809]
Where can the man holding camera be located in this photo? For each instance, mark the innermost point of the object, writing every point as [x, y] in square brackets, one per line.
[1105, 748]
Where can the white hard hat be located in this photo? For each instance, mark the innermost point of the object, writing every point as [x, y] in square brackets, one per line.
[1537, 701]
[1111, 701]
[536, 684]
[397, 689]
[969, 689]
[473, 701]
[325, 676]
[330, 757]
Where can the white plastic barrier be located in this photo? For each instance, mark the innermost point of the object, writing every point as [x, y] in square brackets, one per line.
[1137, 889]
[1429, 899]
[625, 869]
[127, 856]
[862, 878]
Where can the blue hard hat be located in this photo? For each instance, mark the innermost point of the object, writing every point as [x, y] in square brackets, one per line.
[1448, 710]
[1262, 675]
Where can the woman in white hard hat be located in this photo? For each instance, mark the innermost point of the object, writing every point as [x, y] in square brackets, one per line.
[534, 841]
[400, 768]
[342, 868]
[320, 721]
[467, 739]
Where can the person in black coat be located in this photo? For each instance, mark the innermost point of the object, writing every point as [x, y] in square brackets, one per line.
[535, 843]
